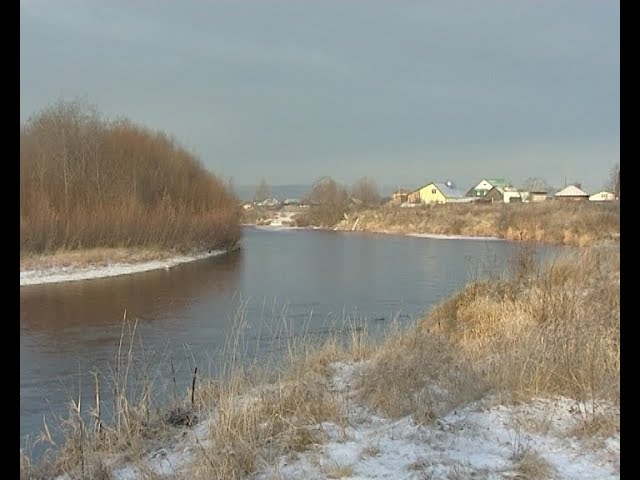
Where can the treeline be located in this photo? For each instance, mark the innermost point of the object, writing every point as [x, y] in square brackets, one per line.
[329, 200]
[86, 183]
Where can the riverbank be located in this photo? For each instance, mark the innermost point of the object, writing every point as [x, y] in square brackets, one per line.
[101, 263]
[538, 439]
[512, 377]
[553, 222]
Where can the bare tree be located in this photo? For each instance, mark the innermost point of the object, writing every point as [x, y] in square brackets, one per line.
[89, 183]
[533, 184]
[328, 201]
[366, 190]
[613, 185]
[262, 191]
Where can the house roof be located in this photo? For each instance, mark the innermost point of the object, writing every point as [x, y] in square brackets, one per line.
[571, 191]
[498, 182]
[448, 191]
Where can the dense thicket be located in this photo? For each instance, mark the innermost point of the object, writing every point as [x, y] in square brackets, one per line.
[86, 182]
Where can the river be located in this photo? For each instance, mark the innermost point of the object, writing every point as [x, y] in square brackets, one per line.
[308, 281]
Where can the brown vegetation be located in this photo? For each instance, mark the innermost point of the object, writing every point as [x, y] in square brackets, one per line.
[557, 222]
[328, 201]
[86, 182]
[535, 331]
[538, 331]
[365, 190]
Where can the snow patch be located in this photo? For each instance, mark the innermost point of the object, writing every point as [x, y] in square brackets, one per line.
[70, 274]
[483, 439]
[452, 237]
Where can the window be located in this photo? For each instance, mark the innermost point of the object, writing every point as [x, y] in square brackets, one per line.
[433, 190]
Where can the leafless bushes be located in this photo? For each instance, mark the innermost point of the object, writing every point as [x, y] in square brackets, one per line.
[85, 183]
[365, 190]
[328, 201]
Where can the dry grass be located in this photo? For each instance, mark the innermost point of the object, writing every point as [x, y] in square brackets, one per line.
[536, 331]
[277, 409]
[531, 466]
[415, 375]
[260, 412]
[91, 257]
[597, 425]
[339, 471]
[88, 441]
[556, 222]
[554, 331]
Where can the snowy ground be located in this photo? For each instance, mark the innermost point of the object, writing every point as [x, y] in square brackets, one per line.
[282, 220]
[449, 237]
[69, 274]
[483, 440]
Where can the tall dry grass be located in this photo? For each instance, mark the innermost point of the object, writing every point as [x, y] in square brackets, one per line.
[555, 330]
[534, 331]
[262, 406]
[86, 182]
[554, 221]
[90, 438]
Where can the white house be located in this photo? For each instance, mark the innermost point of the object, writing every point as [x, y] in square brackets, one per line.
[602, 197]
[486, 184]
[572, 193]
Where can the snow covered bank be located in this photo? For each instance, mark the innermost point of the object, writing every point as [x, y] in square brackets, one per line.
[484, 439]
[74, 273]
[452, 237]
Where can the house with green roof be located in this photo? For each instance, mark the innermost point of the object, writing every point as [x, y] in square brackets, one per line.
[486, 184]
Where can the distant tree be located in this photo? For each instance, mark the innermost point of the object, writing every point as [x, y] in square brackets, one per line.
[328, 201]
[537, 184]
[613, 185]
[262, 191]
[366, 190]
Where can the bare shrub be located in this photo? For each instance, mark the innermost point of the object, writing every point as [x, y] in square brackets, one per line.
[366, 191]
[87, 183]
[329, 202]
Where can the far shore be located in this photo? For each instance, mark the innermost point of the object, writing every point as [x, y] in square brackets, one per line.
[554, 222]
[102, 263]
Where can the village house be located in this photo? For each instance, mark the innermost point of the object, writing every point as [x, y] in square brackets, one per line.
[433, 192]
[602, 197]
[572, 193]
[534, 196]
[486, 184]
[401, 195]
[502, 194]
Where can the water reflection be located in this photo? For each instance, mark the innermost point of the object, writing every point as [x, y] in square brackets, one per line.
[149, 295]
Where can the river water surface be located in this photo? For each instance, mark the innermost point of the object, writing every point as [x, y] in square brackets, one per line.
[311, 280]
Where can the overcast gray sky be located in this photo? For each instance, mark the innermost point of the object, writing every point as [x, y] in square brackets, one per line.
[405, 92]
